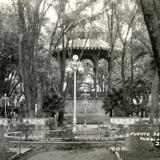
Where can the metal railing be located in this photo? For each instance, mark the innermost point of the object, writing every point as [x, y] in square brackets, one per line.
[60, 135]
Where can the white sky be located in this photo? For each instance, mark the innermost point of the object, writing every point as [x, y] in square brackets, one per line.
[5, 1]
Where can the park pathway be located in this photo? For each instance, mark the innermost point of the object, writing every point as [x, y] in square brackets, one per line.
[95, 154]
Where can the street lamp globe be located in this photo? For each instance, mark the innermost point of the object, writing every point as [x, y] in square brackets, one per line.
[81, 69]
[75, 57]
[69, 69]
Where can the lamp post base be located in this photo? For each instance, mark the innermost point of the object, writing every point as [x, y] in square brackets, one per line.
[74, 127]
[85, 123]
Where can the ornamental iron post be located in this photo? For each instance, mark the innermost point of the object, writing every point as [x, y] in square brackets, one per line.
[74, 66]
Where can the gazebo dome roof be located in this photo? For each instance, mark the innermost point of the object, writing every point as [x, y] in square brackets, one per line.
[88, 44]
[92, 44]
[87, 49]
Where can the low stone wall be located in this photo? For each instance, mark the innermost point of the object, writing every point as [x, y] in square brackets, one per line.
[38, 122]
[91, 119]
[99, 118]
[126, 120]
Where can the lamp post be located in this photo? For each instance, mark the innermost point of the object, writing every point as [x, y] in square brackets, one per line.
[86, 102]
[5, 104]
[85, 106]
[74, 66]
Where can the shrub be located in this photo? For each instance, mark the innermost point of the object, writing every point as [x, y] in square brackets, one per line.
[26, 129]
[67, 133]
[122, 130]
[50, 123]
[133, 102]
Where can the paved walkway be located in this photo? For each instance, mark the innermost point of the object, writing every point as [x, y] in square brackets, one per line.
[22, 150]
[95, 154]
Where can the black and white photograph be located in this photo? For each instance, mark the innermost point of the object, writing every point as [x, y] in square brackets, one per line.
[79, 79]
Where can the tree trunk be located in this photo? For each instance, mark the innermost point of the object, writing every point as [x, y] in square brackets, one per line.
[123, 75]
[155, 98]
[30, 97]
[112, 44]
[142, 113]
[29, 79]
[151, 12]
[60, 118]
[27, 41]
[95, 78]
[39, 94]
[62, 59]
[62, 73]
[132, 63]
[110, 74]
[111, 113]
[122, 65]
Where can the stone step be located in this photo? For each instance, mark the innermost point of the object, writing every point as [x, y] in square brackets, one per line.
[94, 111]
[89, 118]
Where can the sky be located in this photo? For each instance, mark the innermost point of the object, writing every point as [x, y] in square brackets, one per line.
[5, 1]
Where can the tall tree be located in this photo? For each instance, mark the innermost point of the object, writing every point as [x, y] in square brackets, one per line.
[8, 52]
[151, 13]
[29, 33]
[112, 29]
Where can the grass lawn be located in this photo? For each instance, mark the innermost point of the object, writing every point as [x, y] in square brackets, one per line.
[133, 155]
[93, 154]
[6, 155]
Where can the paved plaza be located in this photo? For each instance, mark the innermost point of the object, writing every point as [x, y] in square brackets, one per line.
[95, 154]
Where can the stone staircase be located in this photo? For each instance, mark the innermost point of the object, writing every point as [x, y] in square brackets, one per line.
[90, 132]
[92, 113]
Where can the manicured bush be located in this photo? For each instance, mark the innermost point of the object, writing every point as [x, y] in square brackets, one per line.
[50, 123]
[122, 130]
[26, 129]
[67, 133]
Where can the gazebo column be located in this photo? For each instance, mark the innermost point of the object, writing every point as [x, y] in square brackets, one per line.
[95, 78]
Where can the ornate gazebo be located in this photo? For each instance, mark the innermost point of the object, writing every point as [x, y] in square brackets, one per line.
[92, 49]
